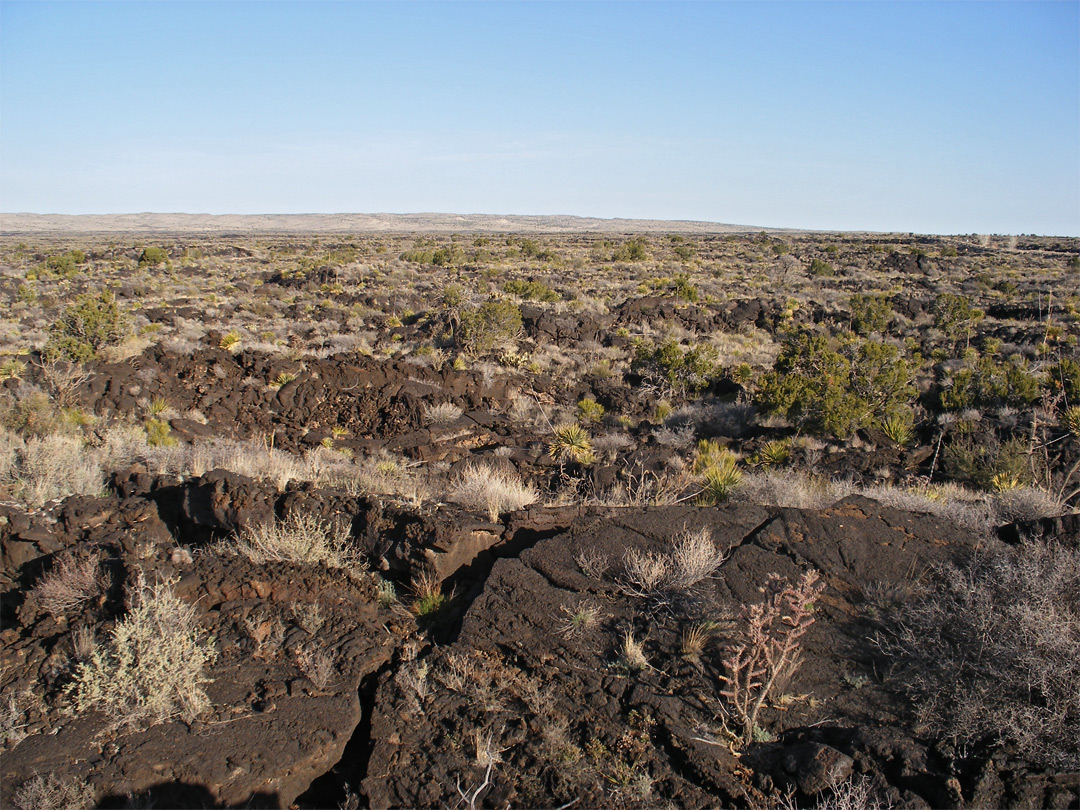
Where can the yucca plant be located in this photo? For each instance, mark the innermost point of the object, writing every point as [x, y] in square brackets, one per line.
[156, 407]
[1005, 481]
[571, 442]
[1071, 420]
[12, 369]
[282, 379]
[230, 341]
[899, 426]
[721, 478]
[774, 453]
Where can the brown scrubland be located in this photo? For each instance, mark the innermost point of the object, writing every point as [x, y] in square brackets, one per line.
[531, 513]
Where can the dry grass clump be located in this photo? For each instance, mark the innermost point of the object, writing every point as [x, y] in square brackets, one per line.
[153, 667]
[442, 414]
[658, 575]
[70, 583]
[792, 489]
[50, 467]
[300, 538]
[492, 490]
[992, 651]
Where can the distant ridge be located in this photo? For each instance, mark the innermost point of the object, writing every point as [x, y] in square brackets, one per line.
[25, 223]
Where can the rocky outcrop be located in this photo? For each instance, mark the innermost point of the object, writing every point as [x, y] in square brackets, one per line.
[528, 697]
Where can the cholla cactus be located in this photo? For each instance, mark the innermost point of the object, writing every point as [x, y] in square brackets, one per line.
[766, 651]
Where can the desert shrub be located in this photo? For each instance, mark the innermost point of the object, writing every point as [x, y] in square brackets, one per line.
[158, 433]
[65, 265]
[988, 463]
[819, 268]
[419, 256]
[956, 317]
[836, 387]
[531, 290]
[88, 324]
[153, 256]
[448, 256]
[493, 490]
[987, 382]
[1065, 376]
[50, 792]
[492, 322]
[870, 313]
[153, 667]
[589, 410]
[991, 651]
[669, 365]
[301, 538]
[685, 289]
[635, 250]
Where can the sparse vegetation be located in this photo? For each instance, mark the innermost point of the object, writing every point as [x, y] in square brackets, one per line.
[634, 385]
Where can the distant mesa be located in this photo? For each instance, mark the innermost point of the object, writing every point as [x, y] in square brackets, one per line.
[26, 223]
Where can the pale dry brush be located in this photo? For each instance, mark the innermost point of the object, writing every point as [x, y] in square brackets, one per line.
[692, 557]
[301, 538]
[70, 583]
[50, 792]
[765, 649]
[317, 665]
[154, 665]
[992, 651]
[492, 490]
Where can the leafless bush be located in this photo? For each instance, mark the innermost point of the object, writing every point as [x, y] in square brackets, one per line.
[56, 466]
[681, 437]
[493, 490]
[592, 562]
[69, 584]
[714, 418]
[857, 793]
[992, 651]
[317, 665]
[765, 650]
[63, 380]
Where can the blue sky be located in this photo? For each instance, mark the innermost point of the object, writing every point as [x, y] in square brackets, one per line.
[929, 117]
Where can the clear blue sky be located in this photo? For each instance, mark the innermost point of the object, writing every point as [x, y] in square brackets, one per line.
[929, 117]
